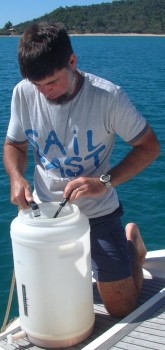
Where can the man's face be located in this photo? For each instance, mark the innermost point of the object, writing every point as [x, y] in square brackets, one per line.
[61, 82]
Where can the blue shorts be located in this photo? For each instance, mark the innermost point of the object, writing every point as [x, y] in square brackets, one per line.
[109, 251]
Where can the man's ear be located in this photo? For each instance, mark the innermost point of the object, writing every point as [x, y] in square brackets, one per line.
[72, 62]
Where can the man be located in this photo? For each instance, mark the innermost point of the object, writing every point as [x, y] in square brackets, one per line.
[71, 118]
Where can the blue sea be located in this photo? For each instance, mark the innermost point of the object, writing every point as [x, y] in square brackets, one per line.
[138, 65]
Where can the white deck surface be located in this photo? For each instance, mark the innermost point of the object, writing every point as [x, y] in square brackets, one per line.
[143, 329]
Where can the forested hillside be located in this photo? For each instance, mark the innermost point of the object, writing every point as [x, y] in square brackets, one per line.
[123, 16]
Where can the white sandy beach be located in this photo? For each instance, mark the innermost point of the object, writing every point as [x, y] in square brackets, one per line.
[116, 34]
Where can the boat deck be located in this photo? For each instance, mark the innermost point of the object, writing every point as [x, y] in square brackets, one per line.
[142, 329]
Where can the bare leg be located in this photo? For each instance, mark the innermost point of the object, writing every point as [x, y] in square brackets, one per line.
[120, 297]
[137, 252]
[133, 234]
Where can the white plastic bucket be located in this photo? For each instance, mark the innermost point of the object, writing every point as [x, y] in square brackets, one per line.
[53, 275]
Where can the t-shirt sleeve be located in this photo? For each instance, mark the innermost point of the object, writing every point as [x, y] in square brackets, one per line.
[15, 130]
[125, 120]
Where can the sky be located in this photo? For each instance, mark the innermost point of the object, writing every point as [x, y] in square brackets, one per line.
[17, 11]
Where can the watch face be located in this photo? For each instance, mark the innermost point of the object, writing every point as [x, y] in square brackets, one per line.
[105, 178]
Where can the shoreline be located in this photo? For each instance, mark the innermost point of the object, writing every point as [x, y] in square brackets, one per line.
[98, 34]
[116, 34]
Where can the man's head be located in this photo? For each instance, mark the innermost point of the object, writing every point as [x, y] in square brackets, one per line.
[43, 49]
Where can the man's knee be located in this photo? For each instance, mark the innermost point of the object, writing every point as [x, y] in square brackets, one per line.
[124, 307]
[119, 297]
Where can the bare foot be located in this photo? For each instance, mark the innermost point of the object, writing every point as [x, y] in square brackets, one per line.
[133, 234]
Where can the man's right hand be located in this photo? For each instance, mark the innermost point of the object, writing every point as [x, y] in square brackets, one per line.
[21, 192]
[15, 160]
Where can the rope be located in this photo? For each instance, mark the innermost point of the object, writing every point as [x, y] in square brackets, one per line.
[9, 303]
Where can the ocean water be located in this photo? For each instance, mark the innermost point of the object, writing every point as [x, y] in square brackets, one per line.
[135, 63]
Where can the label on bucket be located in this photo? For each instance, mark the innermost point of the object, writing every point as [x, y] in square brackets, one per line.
[24, 300]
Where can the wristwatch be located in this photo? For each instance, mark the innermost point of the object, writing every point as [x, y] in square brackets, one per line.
[106, 180]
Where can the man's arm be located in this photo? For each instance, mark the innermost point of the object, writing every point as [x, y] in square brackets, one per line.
[15, 159]
[144, 151]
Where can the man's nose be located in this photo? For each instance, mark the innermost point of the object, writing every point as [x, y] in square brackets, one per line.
[44, 89]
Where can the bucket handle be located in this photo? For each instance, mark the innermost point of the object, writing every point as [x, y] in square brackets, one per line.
[71, 249]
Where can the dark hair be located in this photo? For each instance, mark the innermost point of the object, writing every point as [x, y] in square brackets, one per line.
[43, 48]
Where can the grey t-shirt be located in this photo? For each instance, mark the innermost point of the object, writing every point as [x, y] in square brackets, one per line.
[75, 138]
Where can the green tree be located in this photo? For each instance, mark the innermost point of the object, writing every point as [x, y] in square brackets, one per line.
[8, 25]
[118, 16]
